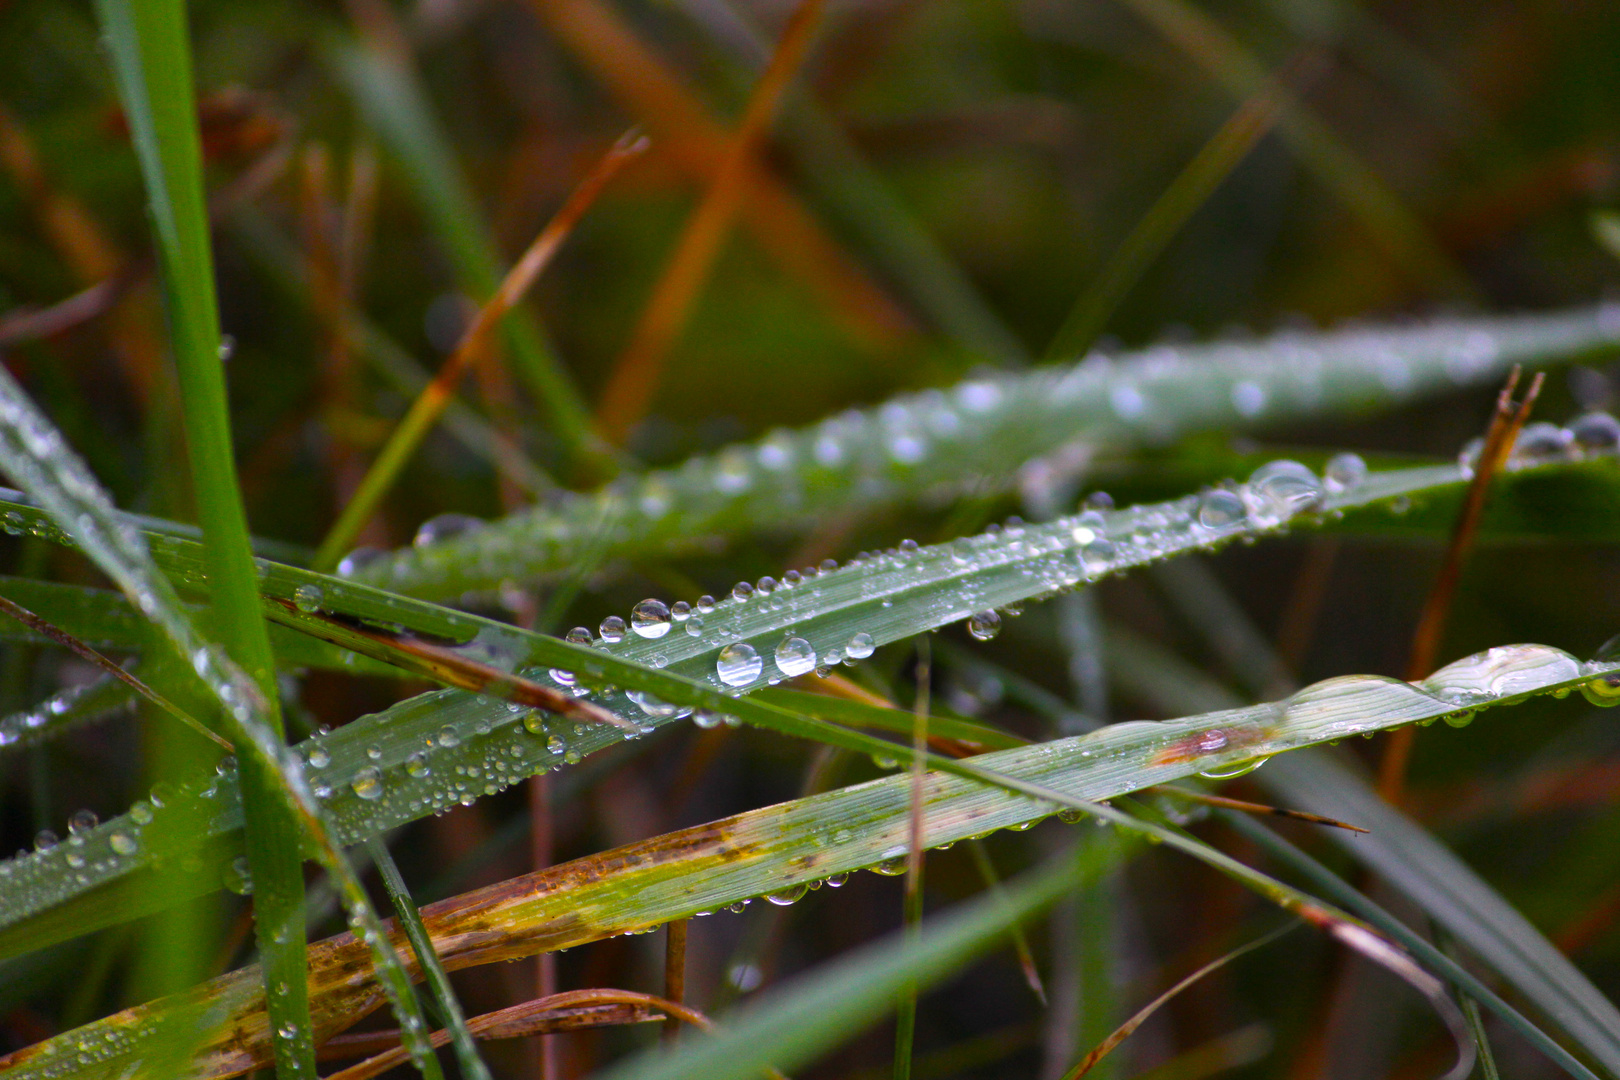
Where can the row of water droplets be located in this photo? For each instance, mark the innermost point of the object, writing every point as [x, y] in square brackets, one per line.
[766, 632]
[939, 441]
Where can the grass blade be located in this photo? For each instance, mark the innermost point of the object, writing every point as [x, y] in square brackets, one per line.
[152, 55]
[932, 445]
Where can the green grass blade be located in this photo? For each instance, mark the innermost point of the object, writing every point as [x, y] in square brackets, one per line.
[936, 444]
[427, 960]
[1342, 892]
[1431, 876]
[790, 1027]
[152, 55]
[396, 107]
[35, 455]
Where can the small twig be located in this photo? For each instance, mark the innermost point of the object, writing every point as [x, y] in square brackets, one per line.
[538, 1017]
[68, 641]
[1124, 1030]
[1506, 422]
[1254, 808]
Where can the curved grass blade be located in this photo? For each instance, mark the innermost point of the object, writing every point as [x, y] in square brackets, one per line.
[931, 445]
[64, 710]
[782, 849]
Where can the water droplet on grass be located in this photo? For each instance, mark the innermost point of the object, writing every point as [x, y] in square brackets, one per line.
[739, 664]
[860, 646]
[984, 625]
[795, 657]
[612, 629]
[650, 619]
[308, 598]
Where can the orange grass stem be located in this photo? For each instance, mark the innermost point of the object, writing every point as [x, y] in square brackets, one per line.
[430, 403]
[630, 389]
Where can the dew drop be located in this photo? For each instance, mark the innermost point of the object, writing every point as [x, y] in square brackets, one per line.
[694, 626]
[417, 765]
[1285, 488]
[308, 598]
[649, 619]
[984, 625]
[357, 560]
[890, 867]
[82, 822]
[837, 881]
[706, 719]
[612, 629]
[1596, 431]
[443, 527]
[742, 591]
[765, 586]
[705, 603]
[141, 813]
[563, 678]
[123, 843]
[319, 758]
[860, 645]
[785, 897]
[448, 737]
[578, 636]
[1541, 441]
[45, 840]
[1344, 471]
[739, 664]
[680, 611]
[1220, 509]
[367, 783]
[795, 657]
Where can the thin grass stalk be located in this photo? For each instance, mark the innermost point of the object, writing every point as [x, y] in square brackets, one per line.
[635, 377]
[1506, 423]
[475, 343]
[381, 80]
[1190, 190]
[1406, 240]
[905, 1024]
[427, 959]
[152, 57]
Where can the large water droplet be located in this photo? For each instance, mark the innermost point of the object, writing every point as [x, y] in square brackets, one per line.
[1344, 471]
[1220, 509]
[578, 636]
[308, 598]
[742, 591]
[739, 664]
[82, 822]
[1596, 432]
[417, 765]
[795, 657]
[1540, 442]
[650, 619]
[123, 843]
[444, 527]
[1283, 489]
[612, 629]
[367, 783]
[789, 895]
[652, 705]
[860, 646]
[984, 625]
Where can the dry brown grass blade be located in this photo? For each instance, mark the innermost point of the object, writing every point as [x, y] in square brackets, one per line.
[674, 971]
[1123, 1032]
[346, 1047]
[1506, 422]
[630, 388]
[542, 1016]
[476, 341]
[440, 663]
[85, 652]
[696, 145]
[1255, 808]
